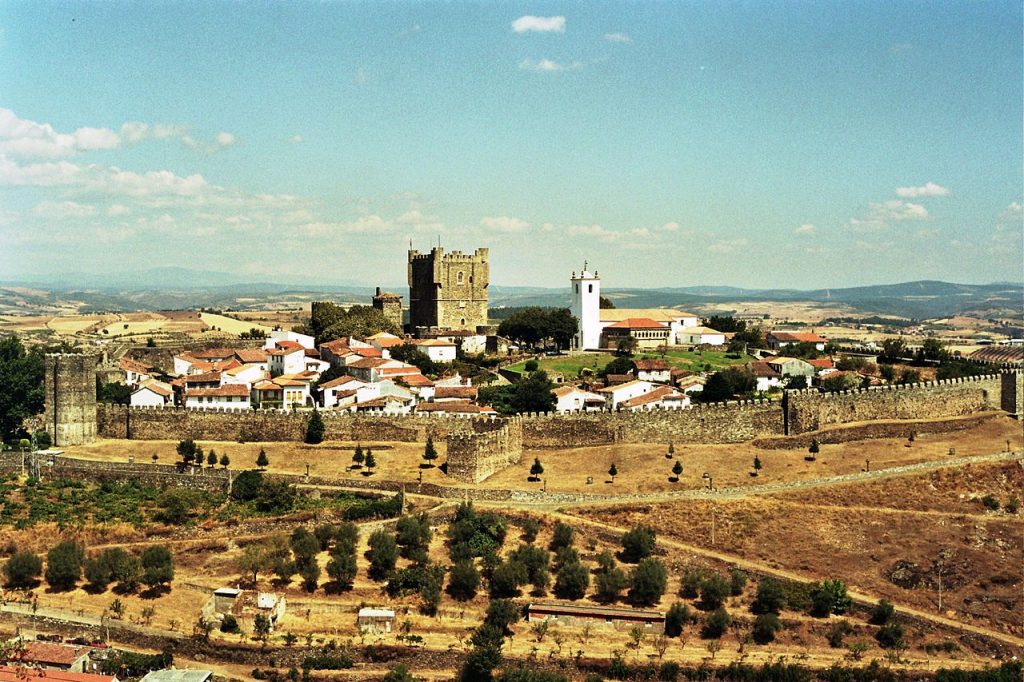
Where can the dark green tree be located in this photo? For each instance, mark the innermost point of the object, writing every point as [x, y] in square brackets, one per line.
[765, 627]
[562, 535]
[358, 457]
[211, 458]
[647, 582]
[533, 394]
[770, 598]
[716, 624]
[157, 566]
[572, 581]
[613, 471]
[23, 569]
[829, 597]
[315, 428]
[261, 460]
[225, 461]
[536, 469]
[463, 581]
[882, 613]
[21, 375]
[638, 543]
[677, 469]
[64, 565]
[430, 452]
[713, 592]
[507, 579]
[677, 616]
[383, 555]
[371, 461]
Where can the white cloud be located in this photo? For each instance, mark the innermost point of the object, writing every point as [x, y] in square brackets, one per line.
[929, 189]
[806, 228]
[63, 209]
[669, 227]
[1014, 210]
[896, 210]
[28, 139]
[728, 245]
[118, 210]
[295, 139]
[504, 224]
[548, 66]
[361, 78]
[596, 231]
[617, 38]
[529, 23]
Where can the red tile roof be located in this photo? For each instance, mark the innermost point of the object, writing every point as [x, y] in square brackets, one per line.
[658, 394]
[249, 356]
[415, 381]
[461, 392]
[206, 378]
[796, 337]
[822, 363]
[638, 323]
[340, 381]
[52, 653]
[649, 365]
[18, 674]
[213, 353]
[130, 365]
[225, 391]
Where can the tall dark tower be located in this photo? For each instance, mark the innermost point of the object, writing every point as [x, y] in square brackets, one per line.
[448, 291]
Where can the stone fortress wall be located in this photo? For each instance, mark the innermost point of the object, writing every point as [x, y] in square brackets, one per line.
[479, 447]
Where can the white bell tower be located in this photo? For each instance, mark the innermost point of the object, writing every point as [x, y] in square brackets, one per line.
[586, 308]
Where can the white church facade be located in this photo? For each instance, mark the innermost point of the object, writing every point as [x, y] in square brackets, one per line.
[585, 291]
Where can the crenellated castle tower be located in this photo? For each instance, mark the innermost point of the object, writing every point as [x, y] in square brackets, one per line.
[448, 291]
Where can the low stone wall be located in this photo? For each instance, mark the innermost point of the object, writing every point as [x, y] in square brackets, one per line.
[156, 475]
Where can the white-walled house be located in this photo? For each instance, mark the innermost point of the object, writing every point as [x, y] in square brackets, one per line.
[135, 372]
[384, 342]
[290, 360]
[436, 349]
[152, 393]
[230, 395]
[767, 377]
[247, 375]
[341, 392]
[622, 392]
[575, 399]
[655, 370]
[780, 339]
[281, 335]
[700, 336]
[664, 397]
[675, 320]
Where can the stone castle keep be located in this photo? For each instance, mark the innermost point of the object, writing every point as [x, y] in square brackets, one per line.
[478, 447]
[448, 291]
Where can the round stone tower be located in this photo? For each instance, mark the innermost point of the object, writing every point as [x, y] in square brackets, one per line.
[70, 398]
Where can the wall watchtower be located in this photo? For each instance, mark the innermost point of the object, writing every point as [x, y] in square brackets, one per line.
[70, 400]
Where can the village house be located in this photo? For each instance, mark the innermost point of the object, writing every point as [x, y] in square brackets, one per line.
[275, 338]
[384, 342]
[767, 377]
[470, 342]
[252, 356]
[55, 656]
[234, 396]
[777, 340]
[655, 370]
[575, 399]
[622, 392]
[387, 404]
[420, 385]
[615, 379]
[792, 367]
[152, 393]
[823, 366]
[205, 380]
[659, 397]
[690, 385]
[375, 369]
[436, 349]
[455, 393]
[340, 392]
[245, 375]
[289, 359]
[314, 363]
[18, 674]
[648, 334]
[701, 336]
[135, 372]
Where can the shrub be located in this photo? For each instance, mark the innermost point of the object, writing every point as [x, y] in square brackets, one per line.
[501, 614]
[990, 502]
[507, 579]
[383, 555]
[882, 613]
[229, 624]
[246, 486]
[678, 615]
[327, 661]
[377, 508]
[561, 536]
[531, 366]
[157, 566]
[737, 581]
[689, 584]
[716, 624]
[637, 543]
[609, 583]
[838, 632]
[765, 627]
[828, 597]
[23, 569]
[771, 596]
[890, 635]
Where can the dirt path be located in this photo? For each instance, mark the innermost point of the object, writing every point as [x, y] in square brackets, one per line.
[790, 575]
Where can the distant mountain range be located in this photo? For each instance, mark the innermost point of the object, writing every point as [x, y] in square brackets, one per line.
[170, 288]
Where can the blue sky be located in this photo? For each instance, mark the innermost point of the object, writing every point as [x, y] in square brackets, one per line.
[761, 144]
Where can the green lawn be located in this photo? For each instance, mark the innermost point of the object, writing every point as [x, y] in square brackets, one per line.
[570, 365]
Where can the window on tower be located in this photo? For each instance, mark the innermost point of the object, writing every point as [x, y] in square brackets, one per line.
[458, 277]
[590, 288]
